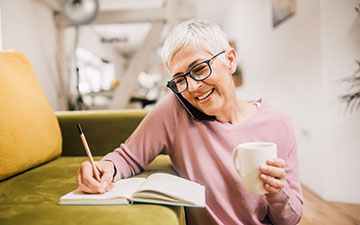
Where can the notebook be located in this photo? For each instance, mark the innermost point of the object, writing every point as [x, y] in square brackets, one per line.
[158, 188]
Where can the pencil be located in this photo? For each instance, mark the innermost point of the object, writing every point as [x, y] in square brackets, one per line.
[88, 152]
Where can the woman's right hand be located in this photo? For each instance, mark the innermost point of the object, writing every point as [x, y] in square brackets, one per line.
[87, 181]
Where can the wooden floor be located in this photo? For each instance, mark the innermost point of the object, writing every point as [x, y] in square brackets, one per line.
[316, 211]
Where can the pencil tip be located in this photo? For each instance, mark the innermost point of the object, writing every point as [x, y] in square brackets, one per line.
[79, 127]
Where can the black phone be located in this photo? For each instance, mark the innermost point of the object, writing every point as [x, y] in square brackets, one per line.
[196, 114]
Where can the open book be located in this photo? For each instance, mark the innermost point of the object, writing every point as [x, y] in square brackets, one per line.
[159, 188]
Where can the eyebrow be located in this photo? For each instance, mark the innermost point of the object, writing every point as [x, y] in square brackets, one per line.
[189, 67]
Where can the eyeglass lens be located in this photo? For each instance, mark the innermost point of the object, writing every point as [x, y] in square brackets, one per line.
[199, 72]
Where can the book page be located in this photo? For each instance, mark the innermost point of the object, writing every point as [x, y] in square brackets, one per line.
[123, 189]
[172, 187]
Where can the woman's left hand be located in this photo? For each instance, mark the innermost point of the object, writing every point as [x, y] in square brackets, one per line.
[273, 175]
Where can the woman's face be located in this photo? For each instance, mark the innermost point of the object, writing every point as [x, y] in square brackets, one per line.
[212, 94]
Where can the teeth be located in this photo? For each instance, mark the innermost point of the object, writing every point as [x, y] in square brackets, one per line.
[205, 95]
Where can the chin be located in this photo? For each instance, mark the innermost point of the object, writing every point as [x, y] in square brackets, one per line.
[209, 112]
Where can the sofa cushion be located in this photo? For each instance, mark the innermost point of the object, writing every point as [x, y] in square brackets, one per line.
[32, 197]
[29, 131]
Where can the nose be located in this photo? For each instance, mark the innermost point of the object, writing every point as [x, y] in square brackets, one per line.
[193, 85]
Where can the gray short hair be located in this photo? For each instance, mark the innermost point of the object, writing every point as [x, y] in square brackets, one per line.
[197, 34]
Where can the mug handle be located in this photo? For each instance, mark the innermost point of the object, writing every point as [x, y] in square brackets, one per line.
[235, 163]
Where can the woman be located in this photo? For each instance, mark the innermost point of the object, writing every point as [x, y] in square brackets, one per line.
[199, 125]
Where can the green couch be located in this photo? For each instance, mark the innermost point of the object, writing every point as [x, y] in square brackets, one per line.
[40, 153]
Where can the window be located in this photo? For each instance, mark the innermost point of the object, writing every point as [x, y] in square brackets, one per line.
[95, 73]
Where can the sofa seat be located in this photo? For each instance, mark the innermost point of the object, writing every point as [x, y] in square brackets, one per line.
[31, 198]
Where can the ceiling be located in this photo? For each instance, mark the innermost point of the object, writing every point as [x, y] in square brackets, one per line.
[126, 37]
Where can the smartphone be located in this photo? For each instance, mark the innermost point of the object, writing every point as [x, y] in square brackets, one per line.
[196, 114]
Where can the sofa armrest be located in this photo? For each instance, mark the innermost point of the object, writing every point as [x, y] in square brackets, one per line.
[105, 130]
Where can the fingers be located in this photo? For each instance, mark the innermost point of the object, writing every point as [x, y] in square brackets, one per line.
[107, 171]
[86, 181]
[277, 162]
[82, 186]
[272, 182]
[272, 191]
[272, 171]
[273, 175]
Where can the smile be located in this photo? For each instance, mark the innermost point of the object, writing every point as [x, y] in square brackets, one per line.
[204, 96]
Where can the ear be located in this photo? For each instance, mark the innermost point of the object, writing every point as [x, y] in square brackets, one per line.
[231, 60]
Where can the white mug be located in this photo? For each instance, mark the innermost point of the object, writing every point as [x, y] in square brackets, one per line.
[247, 159]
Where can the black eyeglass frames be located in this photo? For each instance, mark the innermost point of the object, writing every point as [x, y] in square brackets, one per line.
[199, 72]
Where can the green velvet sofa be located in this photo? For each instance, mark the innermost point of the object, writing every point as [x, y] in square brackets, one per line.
[40, 153]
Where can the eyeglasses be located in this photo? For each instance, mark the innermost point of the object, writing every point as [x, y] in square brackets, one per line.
[199, 72]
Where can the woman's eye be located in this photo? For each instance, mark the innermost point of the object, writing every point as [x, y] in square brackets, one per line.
[199, 68]
[180, 80]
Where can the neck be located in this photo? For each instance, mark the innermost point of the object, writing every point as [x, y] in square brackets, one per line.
[230, 112]
[236, 112]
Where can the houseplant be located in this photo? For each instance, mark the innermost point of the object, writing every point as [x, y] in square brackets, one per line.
[352, 99]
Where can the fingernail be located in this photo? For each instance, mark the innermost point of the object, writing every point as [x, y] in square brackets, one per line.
[271, 160]
[263, 176]
[105, 184]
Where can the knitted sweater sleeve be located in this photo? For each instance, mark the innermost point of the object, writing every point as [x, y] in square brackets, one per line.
[152, 137]
[286, 207]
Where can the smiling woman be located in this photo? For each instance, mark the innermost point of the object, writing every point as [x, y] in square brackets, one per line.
[191, 45]
[198, 55]
[214, 94]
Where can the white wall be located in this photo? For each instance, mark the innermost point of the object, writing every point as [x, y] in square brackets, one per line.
[296, 66]
[1, 42]
[340, 46]
[28, 26]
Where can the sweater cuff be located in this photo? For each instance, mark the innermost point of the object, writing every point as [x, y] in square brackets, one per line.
[110, 157]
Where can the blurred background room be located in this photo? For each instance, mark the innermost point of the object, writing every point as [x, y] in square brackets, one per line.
[300, 55]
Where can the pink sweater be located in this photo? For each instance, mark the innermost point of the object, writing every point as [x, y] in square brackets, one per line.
[202, 152]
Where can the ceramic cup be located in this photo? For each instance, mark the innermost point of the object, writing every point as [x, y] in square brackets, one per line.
[247, 159]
